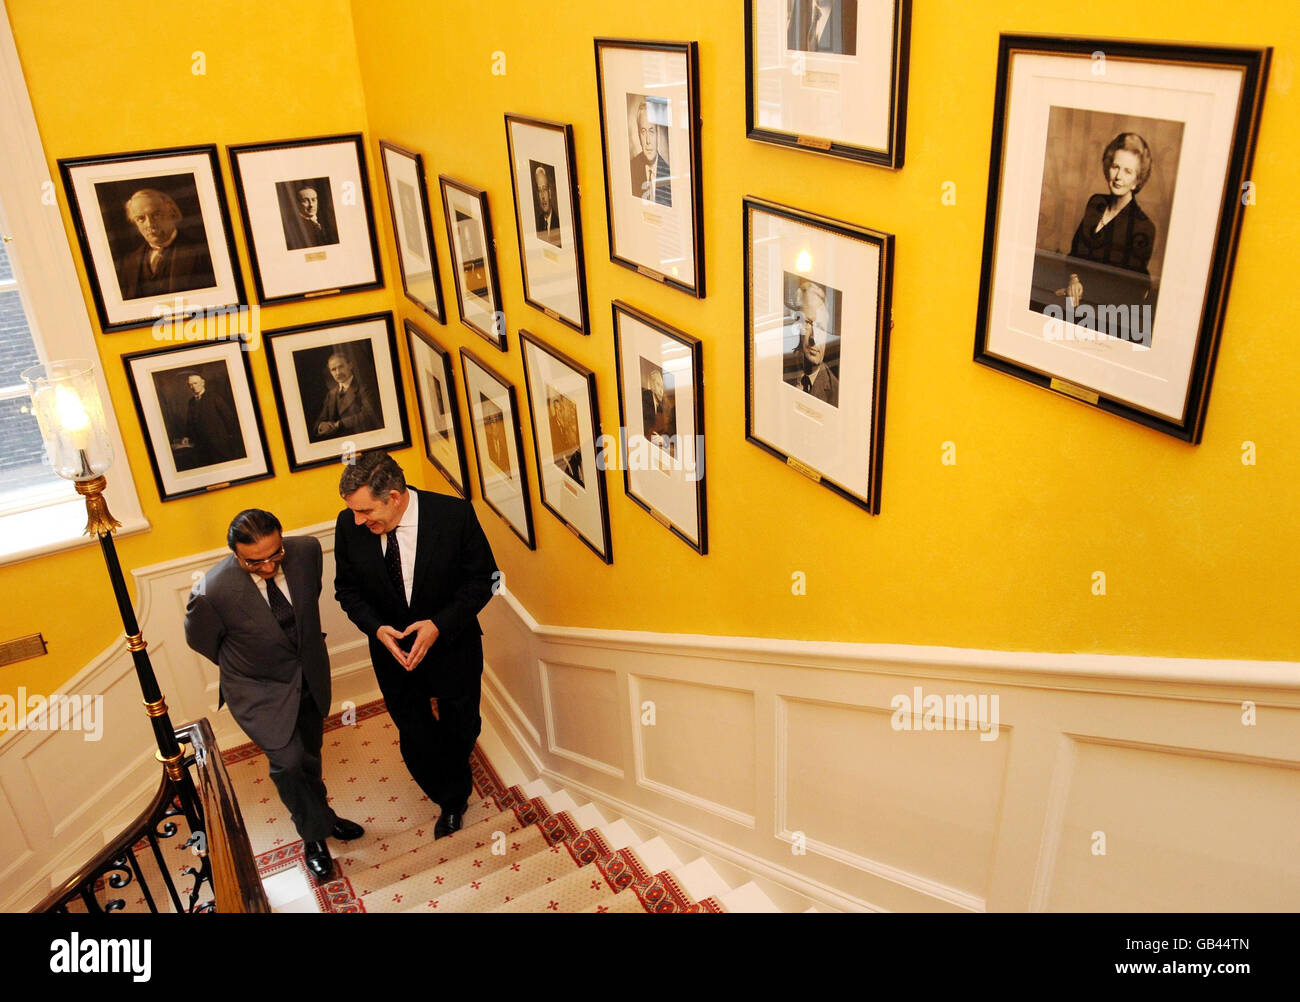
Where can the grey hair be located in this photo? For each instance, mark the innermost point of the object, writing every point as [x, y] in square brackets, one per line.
[378, 471]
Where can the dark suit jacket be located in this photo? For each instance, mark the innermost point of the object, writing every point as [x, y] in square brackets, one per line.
[840, 33]
[213, 430]
[299, 232]
[551, 233]
[186, 265]
[454, 576]
[229, 622]
[663, 188]
[355, 408]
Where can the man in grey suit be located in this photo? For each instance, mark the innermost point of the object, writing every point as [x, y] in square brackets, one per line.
[257, 615]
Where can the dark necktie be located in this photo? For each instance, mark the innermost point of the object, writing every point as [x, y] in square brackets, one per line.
[393, 559]
[281, 610]
[807, 384]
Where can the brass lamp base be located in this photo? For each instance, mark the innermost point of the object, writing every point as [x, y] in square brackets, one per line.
[99, 520]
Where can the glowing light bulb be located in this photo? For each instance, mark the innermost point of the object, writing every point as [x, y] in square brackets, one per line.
[73, 419]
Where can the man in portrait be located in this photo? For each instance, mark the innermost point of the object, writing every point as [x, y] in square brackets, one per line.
[169, 260]
[650, 180]
[210, 425]
[566, 446]
[659, 411]
[823, 26]
[812, 324]
[349, 405]
[307, 226]
[544, 208]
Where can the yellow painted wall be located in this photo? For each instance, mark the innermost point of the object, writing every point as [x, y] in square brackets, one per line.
[116, 76]
[998, 551]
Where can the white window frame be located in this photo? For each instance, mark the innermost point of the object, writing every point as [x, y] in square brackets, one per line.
[56, 309]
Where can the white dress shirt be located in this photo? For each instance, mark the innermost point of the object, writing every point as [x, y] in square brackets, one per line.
[408, 530]
[280, 583]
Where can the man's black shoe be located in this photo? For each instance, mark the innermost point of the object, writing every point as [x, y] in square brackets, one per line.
[319, 861]
[346, 831]
[447, 823]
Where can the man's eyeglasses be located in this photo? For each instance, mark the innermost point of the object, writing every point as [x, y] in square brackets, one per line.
[275, 557]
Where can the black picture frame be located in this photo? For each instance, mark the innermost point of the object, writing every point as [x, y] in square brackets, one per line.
[1149, 358]
[429, 404]
[788, 74]
[98, 189]
[340, 253]
[473, 235]
[549, 250]
[176, 454]
[407, 230]
[371, 416]
[688, 456]
[481, 376]
[565, 486]
[664, 191]
[785, 416]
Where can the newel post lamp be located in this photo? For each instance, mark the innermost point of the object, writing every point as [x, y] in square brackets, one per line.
[66, 402]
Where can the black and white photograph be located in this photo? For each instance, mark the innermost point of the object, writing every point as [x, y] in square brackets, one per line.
[200, 416]
[1112, 217]
[338, 389]
[435, 391]
[1101, 250]
[499, 444]
[547, 218]
[648, 95]
[661, 413]
[307, 213]
[812, 355]
[565, 418]
[829, 76]
[408, 204]
[155, 234]
[473, 257]
[817, 318]
[305, 204]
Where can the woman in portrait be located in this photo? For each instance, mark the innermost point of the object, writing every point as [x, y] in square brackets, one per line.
[1114, 230]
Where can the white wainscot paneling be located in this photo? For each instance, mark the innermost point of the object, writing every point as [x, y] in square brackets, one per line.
[582, 715]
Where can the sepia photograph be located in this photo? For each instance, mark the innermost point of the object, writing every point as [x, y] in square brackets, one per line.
[199, 413]
[660, 372]
[822, 26]
[648, 96]
[499, 444]
[307, 217]
[435, 391]
[812, 355]
[338, 389]
[408, 208]
[474, 262]
[1114, 206]
[548, 222]
[155, 234]
[566, 441]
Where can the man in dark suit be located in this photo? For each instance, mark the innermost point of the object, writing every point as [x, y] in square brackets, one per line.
[307, 228]
[211, 426]
[659, 413]
[169, 261]
[413, 569]
[650, 180]
[548, 216]
[256, 615]
[349, 407]
[806, 366]
[823, 26]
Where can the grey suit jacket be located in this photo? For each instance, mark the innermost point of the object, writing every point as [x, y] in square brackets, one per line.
[229, 622]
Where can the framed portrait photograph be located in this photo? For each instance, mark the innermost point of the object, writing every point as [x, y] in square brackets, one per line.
[200, 416]
[435, 390]
[547, 218]
[154, 233]
[648, 93]
[829, 76]
[661, 412]
[305, 204]
[817, 319]
[1117, 185]
[566, 439]
[474, 259]
[408, 206]
[499, 445]
[338, 389]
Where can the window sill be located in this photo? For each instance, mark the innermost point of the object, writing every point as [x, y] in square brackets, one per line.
[51, 529]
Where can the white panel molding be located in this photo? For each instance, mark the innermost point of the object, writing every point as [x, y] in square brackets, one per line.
[548, 709]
